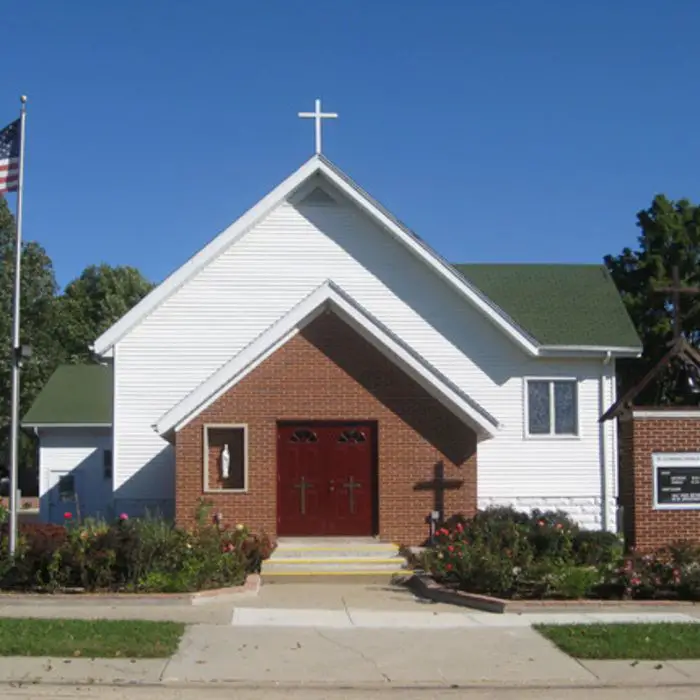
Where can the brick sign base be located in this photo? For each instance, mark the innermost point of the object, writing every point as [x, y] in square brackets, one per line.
[659, 509]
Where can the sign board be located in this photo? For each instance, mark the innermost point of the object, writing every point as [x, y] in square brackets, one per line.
[676, 480]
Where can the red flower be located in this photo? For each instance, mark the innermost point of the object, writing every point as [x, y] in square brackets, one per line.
[459, 527]
[450, 549]
[67, 515]
[540, 523]
[448, 567]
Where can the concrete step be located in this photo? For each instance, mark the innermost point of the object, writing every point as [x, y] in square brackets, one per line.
[319, 565]
[303, 558]
[376, 552]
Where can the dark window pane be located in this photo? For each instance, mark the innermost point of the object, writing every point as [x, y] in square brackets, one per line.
[538, 408]
[352, 436]
[565, 408]
[304, 435]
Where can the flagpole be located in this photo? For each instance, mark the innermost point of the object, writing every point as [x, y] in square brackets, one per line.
[16, 342]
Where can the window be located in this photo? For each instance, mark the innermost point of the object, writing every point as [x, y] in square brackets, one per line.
[66, 488]
[352, 436]
[107, 464]
[225, 458]
[303, 435]
[552, 407]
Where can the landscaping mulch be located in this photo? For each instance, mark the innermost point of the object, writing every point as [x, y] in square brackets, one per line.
[89, 638]
[651, 642]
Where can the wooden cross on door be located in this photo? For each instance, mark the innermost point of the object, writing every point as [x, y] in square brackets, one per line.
[439, 485]
[676, 289]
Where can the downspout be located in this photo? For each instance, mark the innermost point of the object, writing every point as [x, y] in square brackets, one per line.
[604, 482]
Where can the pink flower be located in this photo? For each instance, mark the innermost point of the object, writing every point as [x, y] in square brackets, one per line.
[540, 523]
[635, 580]
[560, 526]
[67, 515]
[459, 527]
[450, 549]
[123, 516]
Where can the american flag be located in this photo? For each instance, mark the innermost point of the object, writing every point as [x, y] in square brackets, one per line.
[9, 157]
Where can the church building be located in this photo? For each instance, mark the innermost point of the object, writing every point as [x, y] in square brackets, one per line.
[318, 369]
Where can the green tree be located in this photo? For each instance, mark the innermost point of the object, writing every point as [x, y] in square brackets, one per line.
[670, 236]
[38, 322]
[94, 301]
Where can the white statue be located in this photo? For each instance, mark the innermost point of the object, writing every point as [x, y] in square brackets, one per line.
[225, 462]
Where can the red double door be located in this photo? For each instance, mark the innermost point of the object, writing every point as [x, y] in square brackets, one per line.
[325, 479]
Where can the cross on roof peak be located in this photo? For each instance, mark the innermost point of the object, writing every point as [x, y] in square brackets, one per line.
[318, 116]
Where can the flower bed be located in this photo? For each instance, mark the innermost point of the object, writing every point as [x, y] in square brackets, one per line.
[504, 553]
[132, 555]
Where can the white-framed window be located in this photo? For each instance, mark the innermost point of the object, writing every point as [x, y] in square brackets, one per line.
[551, 407]
[225, 458]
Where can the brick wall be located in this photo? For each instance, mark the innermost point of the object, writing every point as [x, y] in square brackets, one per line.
[644, 527]
[328, 372]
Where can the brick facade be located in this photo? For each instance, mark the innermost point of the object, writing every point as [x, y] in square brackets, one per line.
[644, 527]
[329, 372]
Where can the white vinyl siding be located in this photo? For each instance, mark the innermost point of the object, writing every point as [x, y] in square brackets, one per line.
[272, 268]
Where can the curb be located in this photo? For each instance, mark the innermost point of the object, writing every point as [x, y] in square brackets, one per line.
[426, 587]
[250, 588]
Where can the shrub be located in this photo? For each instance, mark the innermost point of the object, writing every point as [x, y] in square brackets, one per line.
[148, 554]
[512, 554]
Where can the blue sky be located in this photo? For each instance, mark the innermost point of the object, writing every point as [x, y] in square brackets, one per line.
[500, 131]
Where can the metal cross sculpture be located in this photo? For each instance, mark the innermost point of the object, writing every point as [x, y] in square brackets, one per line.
[318, 115]
[676, 289]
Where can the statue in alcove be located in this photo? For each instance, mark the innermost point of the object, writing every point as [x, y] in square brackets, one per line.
[225, 462]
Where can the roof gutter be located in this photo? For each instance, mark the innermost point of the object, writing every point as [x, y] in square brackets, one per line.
[588, 351]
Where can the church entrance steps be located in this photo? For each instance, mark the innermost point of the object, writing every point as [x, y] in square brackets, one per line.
[297, 558]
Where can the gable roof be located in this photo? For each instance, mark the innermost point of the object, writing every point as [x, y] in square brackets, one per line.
[681, 349]
[319, 165]
[315, 165]
[75, 395]
[559, 305]
[329, 296]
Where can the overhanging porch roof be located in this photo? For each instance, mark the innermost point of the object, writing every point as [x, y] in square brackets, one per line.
[329, 296]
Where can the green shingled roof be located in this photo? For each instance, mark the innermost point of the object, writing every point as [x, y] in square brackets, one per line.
[74, 395]
[558, 304]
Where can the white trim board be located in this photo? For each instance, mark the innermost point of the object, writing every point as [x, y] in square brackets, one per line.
[671, 414]
[314, 167]
[39, 426]
[329, 297]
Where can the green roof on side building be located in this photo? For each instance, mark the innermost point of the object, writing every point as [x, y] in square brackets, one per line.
[74, 395]
[558, 304]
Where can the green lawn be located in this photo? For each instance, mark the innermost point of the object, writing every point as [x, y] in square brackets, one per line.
[656, 642]
[89, 638]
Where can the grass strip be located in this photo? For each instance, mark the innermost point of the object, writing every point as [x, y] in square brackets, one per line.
[89, 638]
[653, 642]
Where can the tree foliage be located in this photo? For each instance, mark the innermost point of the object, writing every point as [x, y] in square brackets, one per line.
[38, 294]
[670, 236]
[58, 327]
[93, 302]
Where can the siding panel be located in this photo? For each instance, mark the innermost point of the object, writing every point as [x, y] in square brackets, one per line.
[279, 262]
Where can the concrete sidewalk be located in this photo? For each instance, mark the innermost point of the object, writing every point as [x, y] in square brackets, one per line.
[357, 658]
[358, 618]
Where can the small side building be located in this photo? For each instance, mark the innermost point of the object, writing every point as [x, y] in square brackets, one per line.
[72, 419]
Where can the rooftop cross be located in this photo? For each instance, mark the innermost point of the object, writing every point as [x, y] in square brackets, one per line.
[676, 289]
[318, 115]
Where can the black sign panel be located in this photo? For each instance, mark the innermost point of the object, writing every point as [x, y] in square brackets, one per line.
[678, 486]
